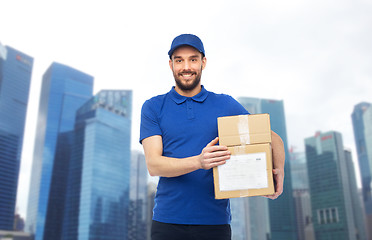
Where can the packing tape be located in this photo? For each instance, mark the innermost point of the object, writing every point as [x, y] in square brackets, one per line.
[239, 150]
[244, 193]
[243, 129]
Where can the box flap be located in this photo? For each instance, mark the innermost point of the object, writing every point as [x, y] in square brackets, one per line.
[244, 129]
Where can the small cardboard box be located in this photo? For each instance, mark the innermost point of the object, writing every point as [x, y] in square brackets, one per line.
[249, 170]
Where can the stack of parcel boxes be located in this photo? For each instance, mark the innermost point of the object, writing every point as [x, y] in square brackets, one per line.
[248, 172]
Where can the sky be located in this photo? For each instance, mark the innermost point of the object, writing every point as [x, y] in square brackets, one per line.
[315, 55]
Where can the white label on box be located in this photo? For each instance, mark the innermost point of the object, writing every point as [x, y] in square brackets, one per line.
[242, 172]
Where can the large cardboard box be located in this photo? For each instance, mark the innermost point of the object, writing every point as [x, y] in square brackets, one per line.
[249, 170]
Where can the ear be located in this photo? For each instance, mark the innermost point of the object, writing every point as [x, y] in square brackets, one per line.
[171, 64]
[204, 62]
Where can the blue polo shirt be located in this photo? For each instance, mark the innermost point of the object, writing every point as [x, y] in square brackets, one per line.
[187, 125]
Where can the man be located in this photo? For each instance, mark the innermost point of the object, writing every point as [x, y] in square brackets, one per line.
[179, 136]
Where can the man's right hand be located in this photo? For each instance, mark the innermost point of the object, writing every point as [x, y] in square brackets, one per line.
[213, 155]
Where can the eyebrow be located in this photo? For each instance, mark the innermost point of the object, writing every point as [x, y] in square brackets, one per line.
[192, 56]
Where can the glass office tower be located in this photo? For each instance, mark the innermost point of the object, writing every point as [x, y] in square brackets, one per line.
[239, 221]
[281, 211]
[301, 195]
[97, 198]
[64, 90]
[15, 78]
[358, 214]
[137, 227]
[330, 191]
[362, 125]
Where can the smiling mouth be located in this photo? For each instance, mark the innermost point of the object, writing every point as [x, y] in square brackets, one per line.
[187, 75]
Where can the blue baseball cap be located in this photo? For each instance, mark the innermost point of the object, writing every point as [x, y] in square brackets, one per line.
[189, 40]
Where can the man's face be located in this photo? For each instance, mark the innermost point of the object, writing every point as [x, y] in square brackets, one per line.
[187, 64]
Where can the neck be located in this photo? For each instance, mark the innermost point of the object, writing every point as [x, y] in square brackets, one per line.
[188, 93]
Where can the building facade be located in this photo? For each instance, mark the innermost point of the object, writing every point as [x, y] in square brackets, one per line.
[301, 195]
[64, 91]
[357, 205]
[329, 187]
[137, 219]
[239, 221]
[151, 192]
[362, 125]
[282, 214]
[257, 218]
[15, 78]
[98, 181]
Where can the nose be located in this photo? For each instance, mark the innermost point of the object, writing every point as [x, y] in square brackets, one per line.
[186, 65]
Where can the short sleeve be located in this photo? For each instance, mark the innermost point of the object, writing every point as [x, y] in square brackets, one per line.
[149, 121]
[238, 108]
[233, 106]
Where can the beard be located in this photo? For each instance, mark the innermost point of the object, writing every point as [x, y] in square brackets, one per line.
[190, 85]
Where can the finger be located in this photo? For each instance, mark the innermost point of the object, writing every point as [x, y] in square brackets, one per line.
[217, 159]
[214, 164]
[271, 196]
[215, 148]
[219, 153]
[278, 180]
[276, 171]
[279, 188]
[213, 142]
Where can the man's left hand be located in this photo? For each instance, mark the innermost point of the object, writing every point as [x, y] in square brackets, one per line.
[278, 182]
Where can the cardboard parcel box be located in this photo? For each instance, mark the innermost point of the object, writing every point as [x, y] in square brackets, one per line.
[249, 170]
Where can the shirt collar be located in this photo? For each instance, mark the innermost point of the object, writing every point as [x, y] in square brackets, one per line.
[200, 97]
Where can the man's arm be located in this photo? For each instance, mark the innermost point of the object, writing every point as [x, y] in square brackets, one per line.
[278, 164]
[159, 165]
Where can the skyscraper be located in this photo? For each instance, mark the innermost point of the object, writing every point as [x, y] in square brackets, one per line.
[15, 78]
[64, 90]
[362, 125]
[329, 187]
[98, 180]
[301, 195]
[257, 218]
[137, 222]
[238, 222]
[151, 191]
[358, 214]
[281, 211]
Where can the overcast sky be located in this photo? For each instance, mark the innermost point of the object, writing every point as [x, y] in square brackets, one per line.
[316, 55]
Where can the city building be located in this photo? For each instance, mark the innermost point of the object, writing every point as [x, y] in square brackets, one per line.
[97, 198]
[15, 78]
[19, 223]
[64, 91]
[137, 225]
[257, 218]
[281, 211]
[362, 125]
[329, 184]
[358, 213]
[238, 221]
[151, 192]
[14, 235]
[301, 195]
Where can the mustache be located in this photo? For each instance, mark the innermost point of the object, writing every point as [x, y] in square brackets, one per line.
[187, 72]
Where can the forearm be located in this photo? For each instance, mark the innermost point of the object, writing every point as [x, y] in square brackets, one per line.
[159, 165]
[278, 151]
[171, 167]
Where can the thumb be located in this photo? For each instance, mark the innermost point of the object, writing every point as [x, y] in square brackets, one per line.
[213, 142]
